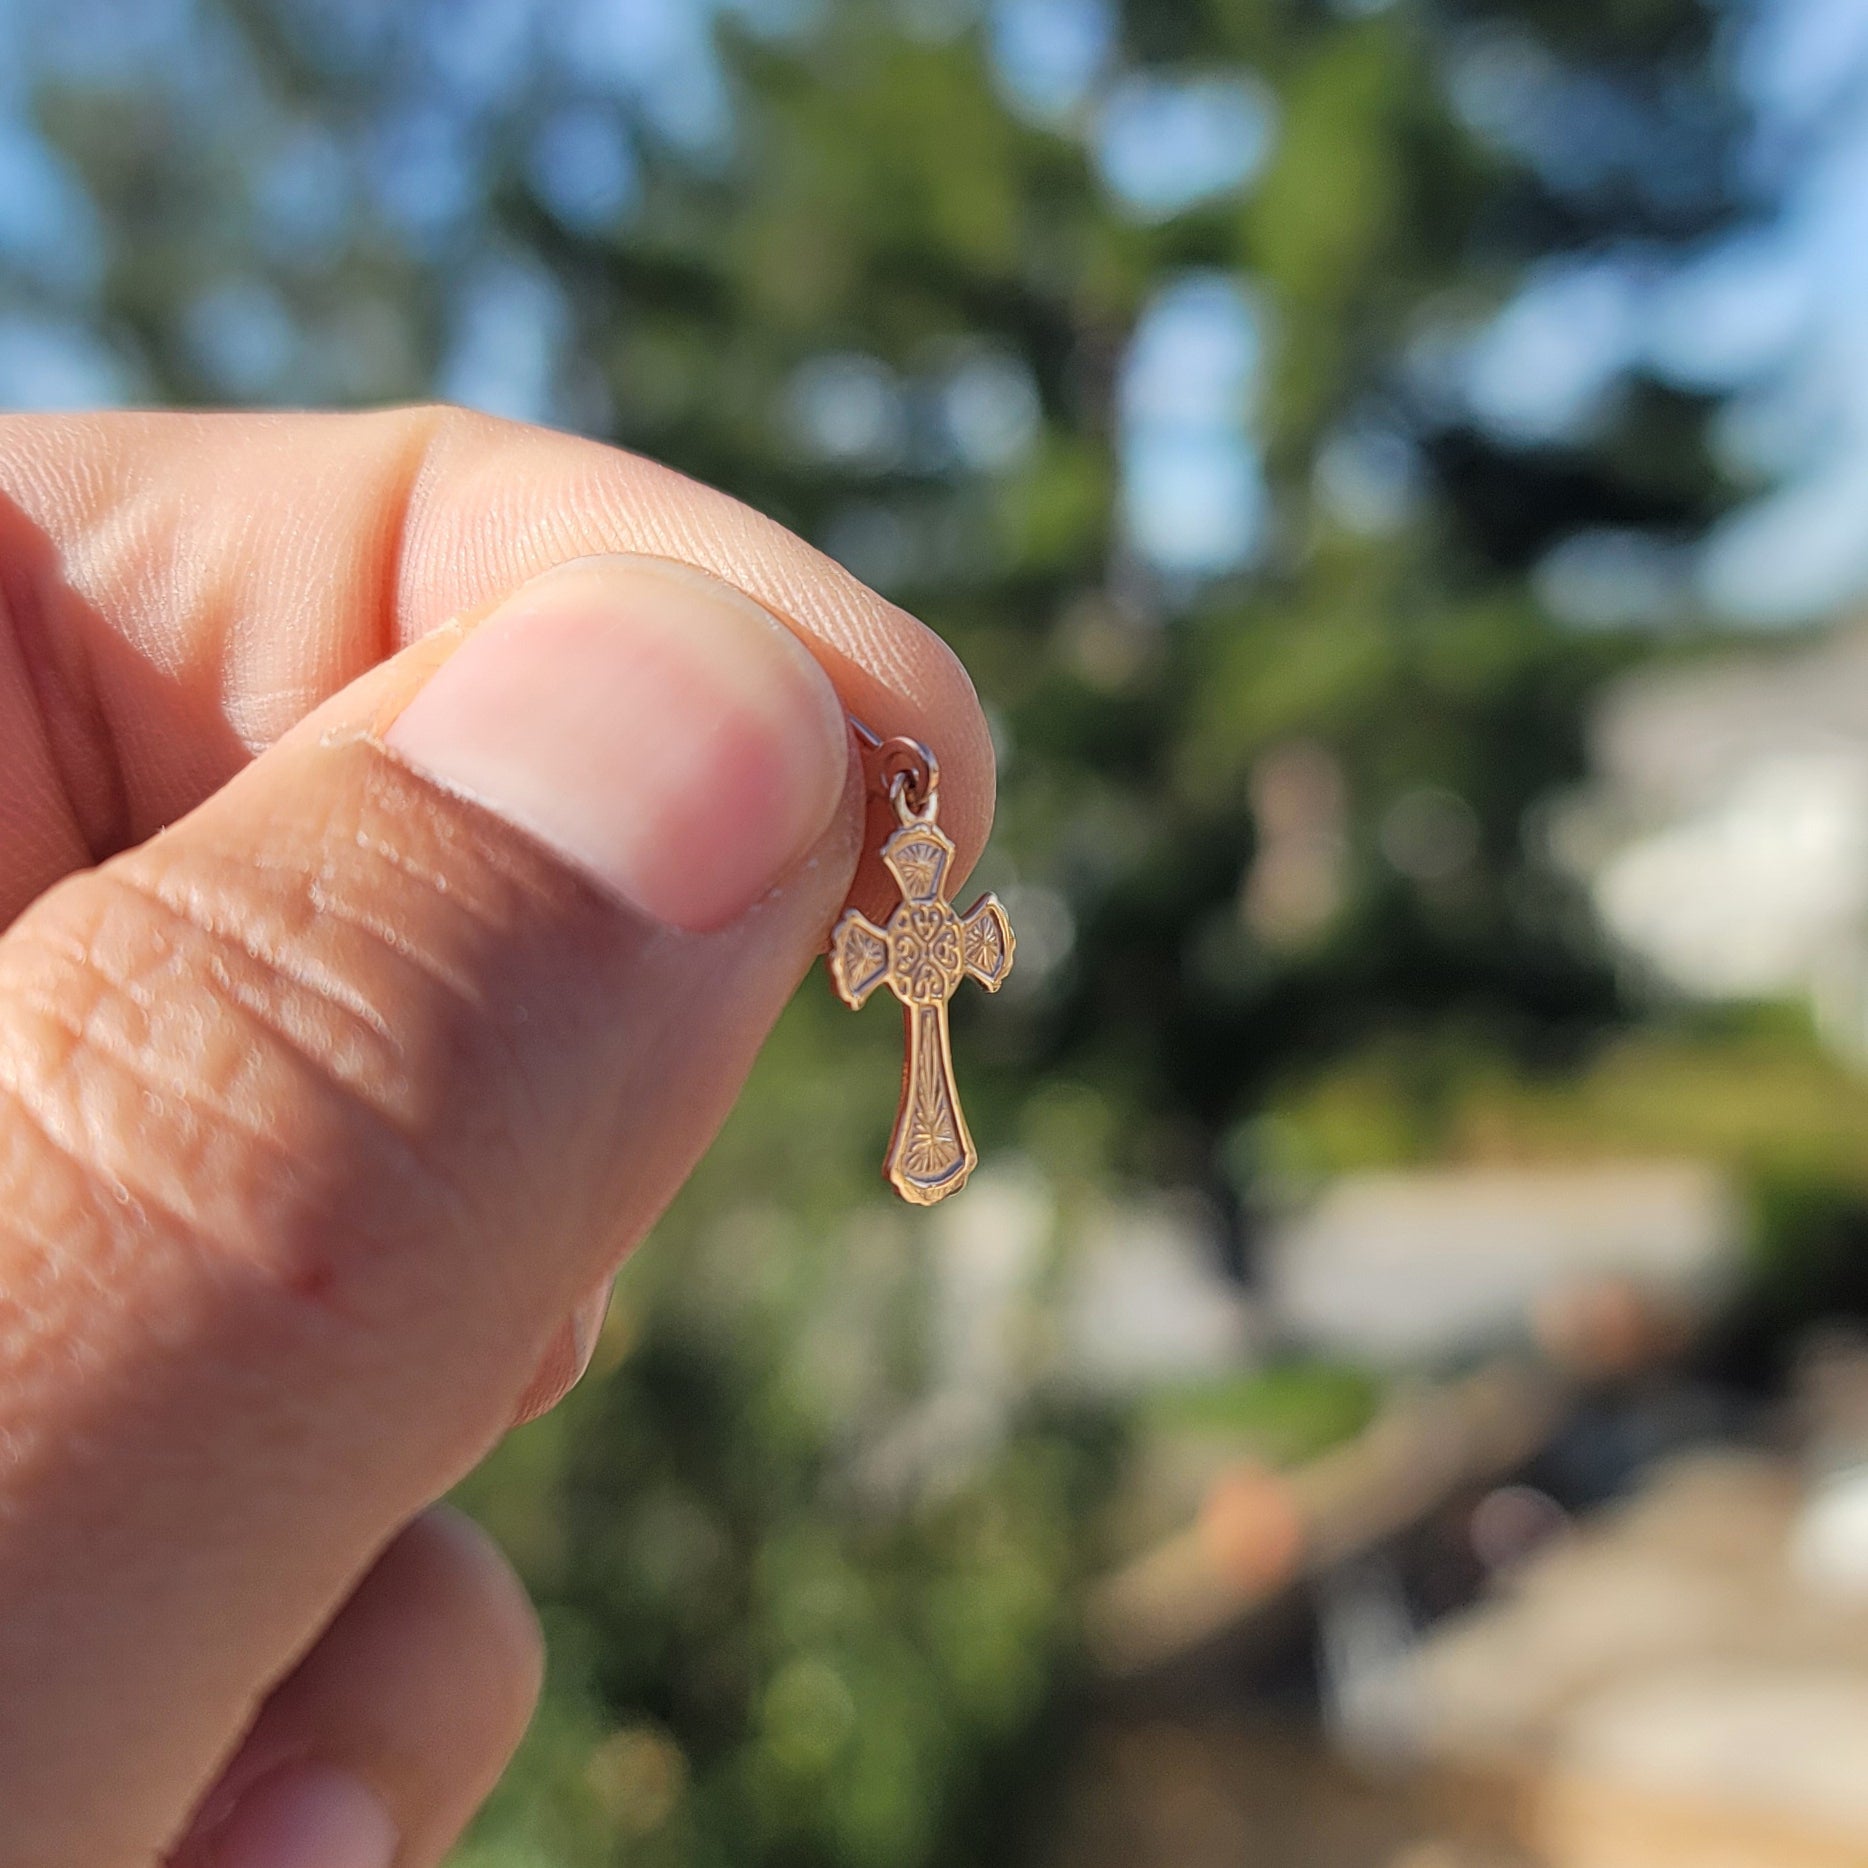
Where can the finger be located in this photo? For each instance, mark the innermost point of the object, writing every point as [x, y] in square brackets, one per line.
[381, 1743]
[181, 589]
[320, 1112]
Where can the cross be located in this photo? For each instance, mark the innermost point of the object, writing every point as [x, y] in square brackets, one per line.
[923, 954]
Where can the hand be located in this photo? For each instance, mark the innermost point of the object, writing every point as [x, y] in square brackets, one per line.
[492, 852]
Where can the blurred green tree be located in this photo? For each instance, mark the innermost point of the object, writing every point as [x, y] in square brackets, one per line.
[1131, 347]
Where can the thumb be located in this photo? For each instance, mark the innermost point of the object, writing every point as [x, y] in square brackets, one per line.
[322, 1109]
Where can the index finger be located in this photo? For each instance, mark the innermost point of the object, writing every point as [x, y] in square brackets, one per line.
[180, 589]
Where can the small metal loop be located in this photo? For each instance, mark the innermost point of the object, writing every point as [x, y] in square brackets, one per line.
[907, 770]
[912, 774]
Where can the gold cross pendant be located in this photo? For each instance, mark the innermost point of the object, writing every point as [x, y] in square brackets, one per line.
[922, 955]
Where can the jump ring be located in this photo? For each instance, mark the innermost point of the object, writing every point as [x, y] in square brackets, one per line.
[909, 771]
[912, 774]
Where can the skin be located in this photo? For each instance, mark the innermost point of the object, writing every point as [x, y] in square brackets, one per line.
[295, 1220]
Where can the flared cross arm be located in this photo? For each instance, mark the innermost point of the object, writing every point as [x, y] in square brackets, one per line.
[922, 954]
[859, 951]
[986, 936]
[859, 958]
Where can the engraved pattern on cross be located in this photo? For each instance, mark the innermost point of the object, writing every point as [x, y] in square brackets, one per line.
[922, 955]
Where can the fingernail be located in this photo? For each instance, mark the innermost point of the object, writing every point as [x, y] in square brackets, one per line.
[566, 1359]
[306, 1816]
[657, 729]
[587, 1325]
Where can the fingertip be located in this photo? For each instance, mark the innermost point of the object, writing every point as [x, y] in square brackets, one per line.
[448, 1555]
[384, 1738]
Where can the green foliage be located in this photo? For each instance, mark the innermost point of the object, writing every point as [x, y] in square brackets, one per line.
[789, 1623]
[1284, 1414]
[786, 1626]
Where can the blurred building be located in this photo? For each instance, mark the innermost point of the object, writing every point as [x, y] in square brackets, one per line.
[1112, 1301]
[1725, 838]
[1677, 1680]
[1407, 1267]
[1667, 1686]
[1144, 1303]
[1119, 1296]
